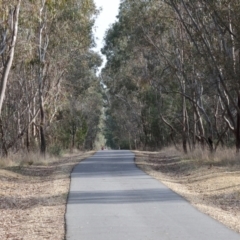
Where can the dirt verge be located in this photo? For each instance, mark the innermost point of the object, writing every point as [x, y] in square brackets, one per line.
[213, 188]
[33, 199]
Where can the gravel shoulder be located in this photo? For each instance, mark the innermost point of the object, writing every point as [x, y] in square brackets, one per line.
[212, 188]
[33, 198]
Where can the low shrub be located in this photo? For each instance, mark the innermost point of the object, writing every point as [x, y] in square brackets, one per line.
[55, 150]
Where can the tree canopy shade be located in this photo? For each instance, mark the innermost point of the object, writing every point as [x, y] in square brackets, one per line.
[50, 81]
[173, 74]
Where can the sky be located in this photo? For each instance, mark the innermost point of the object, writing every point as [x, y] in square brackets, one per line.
[106, 17]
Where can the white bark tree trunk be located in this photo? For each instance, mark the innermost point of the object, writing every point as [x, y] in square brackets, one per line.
[8, 65]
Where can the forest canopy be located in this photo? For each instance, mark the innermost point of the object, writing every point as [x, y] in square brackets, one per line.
[50, 95]
[173, 75]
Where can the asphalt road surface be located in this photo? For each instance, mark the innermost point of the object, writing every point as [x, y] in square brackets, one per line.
[111, 199]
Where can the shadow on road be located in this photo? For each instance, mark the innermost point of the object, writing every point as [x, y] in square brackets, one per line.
[107, 168]
[122, 197]
[115, 163]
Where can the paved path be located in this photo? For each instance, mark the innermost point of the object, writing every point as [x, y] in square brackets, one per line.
[111, 199]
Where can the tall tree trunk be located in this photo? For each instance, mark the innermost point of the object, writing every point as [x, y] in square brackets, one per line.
[184, 123]
[34, 130]
[183, 86]
[238, 126]
[42, 133]
[8, 64]
[129, 140]
[194, 128]
[4, 148]
[42, 48]
[74, 128]
[27, 140]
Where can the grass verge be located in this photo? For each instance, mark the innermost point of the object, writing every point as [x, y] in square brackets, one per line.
[209, 182]
[33, 195]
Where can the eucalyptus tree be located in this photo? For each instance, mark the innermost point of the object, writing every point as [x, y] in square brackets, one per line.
[137, 66]
[53, 36]
[83, 100]
[9, 30]
[213, 30]
[177, 49]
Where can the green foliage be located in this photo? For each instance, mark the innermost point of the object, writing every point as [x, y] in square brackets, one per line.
[55, 150]
[81, 133]
[172, 73]
[110, 132]
[54, 63]
[124, 144]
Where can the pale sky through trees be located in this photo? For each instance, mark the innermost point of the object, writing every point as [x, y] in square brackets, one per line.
[106, 17]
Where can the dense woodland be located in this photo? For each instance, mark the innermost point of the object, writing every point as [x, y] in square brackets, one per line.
[173, 75]
[50, 97]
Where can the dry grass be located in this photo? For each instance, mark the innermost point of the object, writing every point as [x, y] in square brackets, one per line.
[33, 191]
[222, 157]
[211, 182]
[33, 194]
